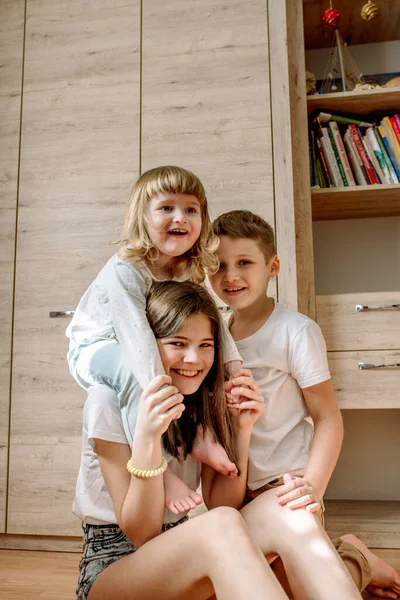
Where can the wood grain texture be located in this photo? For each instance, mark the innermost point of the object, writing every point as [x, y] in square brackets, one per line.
[359, 202]
[39, 542]
[11, 50]
[344, 328]
[291, 180]
[376, 523]
[206, 98]
[352, 27]
[372, 388]
[80, 156]
[368, 102]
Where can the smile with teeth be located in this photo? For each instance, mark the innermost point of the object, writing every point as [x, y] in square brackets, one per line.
[177, 231]
[233, 290]
[186, 373]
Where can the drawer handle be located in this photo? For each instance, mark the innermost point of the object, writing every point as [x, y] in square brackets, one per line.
[360, 307]
[61, 313]
[362, 366]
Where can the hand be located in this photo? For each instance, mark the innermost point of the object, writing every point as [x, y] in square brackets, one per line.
[244, 399]
[160, 404]
[233, 368]
[297, 492]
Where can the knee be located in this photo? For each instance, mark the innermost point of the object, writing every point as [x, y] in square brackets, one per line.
[225, 525]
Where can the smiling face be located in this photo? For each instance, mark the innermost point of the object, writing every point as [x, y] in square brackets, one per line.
[188, 354]
[243, 275]
[174, 223]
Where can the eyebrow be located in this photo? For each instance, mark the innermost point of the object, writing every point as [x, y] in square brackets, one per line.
[181, 337]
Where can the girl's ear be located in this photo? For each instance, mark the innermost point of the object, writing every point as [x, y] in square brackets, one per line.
[274, 266]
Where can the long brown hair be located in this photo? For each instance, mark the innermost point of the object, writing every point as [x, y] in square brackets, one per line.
[135, 243]
[169, 304]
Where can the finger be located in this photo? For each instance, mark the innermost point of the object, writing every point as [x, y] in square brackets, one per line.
[246, 381]
[247, 393]
[163, 394]
[313, 507]
[251, 405]
[291, 483]
[301, 502]
[170, 402]
[380, 593]
[156, 383]
[295, 495]
[228, 385]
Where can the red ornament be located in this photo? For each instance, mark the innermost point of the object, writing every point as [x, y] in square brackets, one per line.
[331, 18]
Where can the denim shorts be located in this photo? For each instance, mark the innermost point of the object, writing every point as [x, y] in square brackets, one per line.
[102, 546]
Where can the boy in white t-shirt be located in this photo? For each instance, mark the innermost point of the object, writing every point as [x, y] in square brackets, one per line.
[286, 353]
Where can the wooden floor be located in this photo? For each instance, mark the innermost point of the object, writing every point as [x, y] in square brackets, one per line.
[31, 575]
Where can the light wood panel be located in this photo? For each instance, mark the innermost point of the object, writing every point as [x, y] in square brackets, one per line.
[11, 50]
[357, 103]
[370, 388]
[80, 156]
[39, 542]
[206, 98]
[377, 524]
[359, 202]
[352, 27]
[345, 328]
[290, 156]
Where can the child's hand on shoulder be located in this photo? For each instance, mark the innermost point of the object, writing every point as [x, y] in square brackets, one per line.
[244, 398]
[297, 492]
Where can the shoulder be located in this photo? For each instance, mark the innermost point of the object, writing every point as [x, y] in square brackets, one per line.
[294, 322]
[102, 417]
[128, 273]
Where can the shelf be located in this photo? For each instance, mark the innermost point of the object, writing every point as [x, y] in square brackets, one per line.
[376, 523]
[380, 100]
[358, 202]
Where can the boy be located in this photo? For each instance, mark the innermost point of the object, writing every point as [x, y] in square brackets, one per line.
[286, 353]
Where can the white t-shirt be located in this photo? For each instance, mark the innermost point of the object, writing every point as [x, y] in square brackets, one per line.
[286, 354]
[114, 307]
[102, 420]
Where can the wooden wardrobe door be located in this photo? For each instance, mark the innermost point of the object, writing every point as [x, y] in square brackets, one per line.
[11, 51]
[206, 98]
[79, 158]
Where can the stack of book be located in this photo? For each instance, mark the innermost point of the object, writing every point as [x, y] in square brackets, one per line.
[347, 152]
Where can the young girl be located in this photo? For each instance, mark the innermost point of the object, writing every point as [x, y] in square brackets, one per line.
[167, 235]
[120, 495]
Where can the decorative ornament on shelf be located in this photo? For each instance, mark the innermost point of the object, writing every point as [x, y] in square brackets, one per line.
[311, 83]
[370, 11]
[331, 17]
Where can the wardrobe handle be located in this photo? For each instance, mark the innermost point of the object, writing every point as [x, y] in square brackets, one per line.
[61, 313]
[362, 366]
[360, 307]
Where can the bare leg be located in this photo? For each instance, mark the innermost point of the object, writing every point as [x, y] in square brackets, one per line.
[313, 567]
[207, 451]
[178, 496]
[213, 552]
[385, 582]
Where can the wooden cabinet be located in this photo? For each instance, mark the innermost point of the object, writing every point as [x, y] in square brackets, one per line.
[79, 158]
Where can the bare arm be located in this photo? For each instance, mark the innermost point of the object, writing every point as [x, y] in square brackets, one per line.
[328, 434]
[138, 502]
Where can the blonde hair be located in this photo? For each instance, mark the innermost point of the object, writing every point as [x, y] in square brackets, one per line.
[169, 304]
[135, 243]
[245, 224]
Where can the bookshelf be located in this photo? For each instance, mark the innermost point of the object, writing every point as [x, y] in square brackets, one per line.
[359, 202]
[356, 103]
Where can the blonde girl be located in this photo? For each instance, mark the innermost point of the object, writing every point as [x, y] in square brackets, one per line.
[167, 235]
[133, 549]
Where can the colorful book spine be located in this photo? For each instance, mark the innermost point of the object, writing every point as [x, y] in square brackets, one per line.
[379, 155]
[342, 152]
[311, 159]
[392, 172]
[333, 169]
[397, 119]
[396, 127]
[390, 152]
[373, 159]
[394, 146]
[337, 157]
[354, 159]
[364, 157]
[324, 166]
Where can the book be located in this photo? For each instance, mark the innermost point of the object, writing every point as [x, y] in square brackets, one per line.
[372, 158]
[333, 169]
[324, 117]
[363, 155]
[390, 152]
[337, 157]
[394, 145]
[396, 127]
[392, 172]
[311, 158]
[379, 156]
[354, 158]
[342, 152]
[324, 166]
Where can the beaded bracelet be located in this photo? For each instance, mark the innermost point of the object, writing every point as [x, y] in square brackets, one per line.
[146, 474]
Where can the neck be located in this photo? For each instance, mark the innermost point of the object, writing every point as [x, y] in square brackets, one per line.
[162, 268]
[246, 321]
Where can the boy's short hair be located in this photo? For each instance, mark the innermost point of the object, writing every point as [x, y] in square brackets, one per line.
[245, 224]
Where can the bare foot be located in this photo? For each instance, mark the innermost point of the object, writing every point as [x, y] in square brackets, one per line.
[385, 582]
[178, 496]
[211, 453]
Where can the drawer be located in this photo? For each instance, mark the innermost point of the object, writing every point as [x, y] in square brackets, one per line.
[346, 328]
[368, 387]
